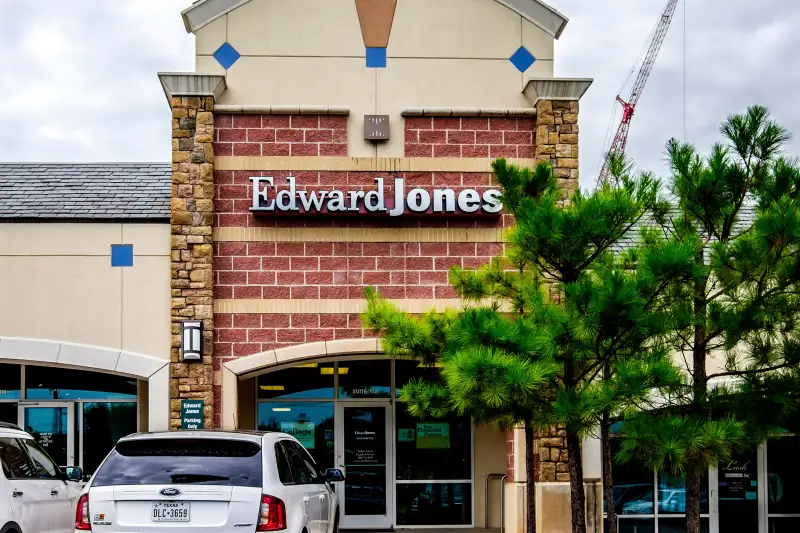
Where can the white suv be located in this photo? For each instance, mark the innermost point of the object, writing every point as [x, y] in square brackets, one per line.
[35, 495]
[203, 481]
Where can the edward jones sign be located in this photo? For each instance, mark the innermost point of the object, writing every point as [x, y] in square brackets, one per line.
[417, 201]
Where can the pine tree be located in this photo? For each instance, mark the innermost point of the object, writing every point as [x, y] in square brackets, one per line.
[544, 320]
[740, 306]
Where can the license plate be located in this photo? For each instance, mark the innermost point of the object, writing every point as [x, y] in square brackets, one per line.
[170, 512]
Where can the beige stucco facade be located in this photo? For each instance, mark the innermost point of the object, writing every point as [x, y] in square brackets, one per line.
[61, 286]
[64, 305]
[447, 53]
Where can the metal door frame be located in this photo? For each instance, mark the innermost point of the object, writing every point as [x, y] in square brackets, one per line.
[69, 406]
[365, 521]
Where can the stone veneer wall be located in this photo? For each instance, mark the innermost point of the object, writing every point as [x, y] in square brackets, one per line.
[192, 218]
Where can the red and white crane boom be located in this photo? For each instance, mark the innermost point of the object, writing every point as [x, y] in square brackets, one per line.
[629, 105]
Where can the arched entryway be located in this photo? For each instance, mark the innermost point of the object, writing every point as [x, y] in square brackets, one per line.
[340, 399]
[77, 400]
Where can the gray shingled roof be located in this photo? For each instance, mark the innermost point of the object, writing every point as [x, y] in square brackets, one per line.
[747, 215]
[85, 191]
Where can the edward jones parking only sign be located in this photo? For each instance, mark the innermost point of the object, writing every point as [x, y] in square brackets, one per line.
[192, 414]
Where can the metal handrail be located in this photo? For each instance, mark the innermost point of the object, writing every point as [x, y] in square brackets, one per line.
[502, 478]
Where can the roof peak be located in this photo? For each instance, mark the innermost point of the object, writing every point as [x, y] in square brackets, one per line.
[537, 12]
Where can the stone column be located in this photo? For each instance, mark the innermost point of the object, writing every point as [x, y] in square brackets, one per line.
[557, 139]
[192, 100]
[556, 127]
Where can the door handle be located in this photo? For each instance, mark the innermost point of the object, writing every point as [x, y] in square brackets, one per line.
[54, 492]
[16, 494]
[306, 499]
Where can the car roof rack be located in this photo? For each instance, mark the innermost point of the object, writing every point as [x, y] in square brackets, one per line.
[9, 425]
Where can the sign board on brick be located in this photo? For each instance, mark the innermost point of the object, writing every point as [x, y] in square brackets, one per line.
[269, 200]
[192, 414]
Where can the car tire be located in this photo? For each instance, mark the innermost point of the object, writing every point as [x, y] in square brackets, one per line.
[11, 527]
[336, 523]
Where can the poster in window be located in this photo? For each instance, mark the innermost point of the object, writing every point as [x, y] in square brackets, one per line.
[302, 431]
[737, 481]
[433, 435]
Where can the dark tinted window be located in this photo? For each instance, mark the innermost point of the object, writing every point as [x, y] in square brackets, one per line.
[284, 471]
[42, 463]
[182, 461]
[312, 380]
[10, 379]
[15, 462]
[303, 468]
[45, 383]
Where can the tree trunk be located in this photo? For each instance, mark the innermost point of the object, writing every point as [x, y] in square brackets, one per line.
[699, 398]
[530, 479]
[608, 474]
[577, 495]
[693, 501]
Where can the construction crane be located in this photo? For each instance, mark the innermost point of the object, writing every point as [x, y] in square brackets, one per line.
[629, 106]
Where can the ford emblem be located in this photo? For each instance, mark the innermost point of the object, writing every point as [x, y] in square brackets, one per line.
[170, 492]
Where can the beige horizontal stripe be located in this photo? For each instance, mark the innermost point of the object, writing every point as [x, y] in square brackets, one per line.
[327, 306]
[361, 164]
[469, 112]
[359, 234]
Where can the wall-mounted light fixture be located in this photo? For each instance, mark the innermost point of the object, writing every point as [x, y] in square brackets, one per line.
[192, 345]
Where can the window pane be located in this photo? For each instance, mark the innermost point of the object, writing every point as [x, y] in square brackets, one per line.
[672, 494]
[433, 448]
[405, 370]
[179, 461]
[10, 378]
[309, 422]
[637, 525]
[103, 425]
[783, 475]
[309, 381]
[45, 383]
[784, 525]
[9, 413]
[678, 525]
[14, 460]
[434, 504]
[284, 470]
[49, 426]
[303, 470]
[633, 486]
[42, 463]
[365, 379]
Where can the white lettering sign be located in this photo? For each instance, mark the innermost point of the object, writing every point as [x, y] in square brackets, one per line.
[415, 201]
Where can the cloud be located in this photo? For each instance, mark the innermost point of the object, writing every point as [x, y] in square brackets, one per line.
[82, 80]
[739, 54]
[79, 76]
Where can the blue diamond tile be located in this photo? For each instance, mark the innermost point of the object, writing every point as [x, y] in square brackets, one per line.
[522, 59]
[226, 55]
[376, 57]
[121, 255]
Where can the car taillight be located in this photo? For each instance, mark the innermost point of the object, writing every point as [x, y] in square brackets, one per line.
[271, 515]
[82, 514]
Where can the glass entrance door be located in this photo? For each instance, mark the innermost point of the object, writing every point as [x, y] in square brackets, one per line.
[363, 453]
[52, 426]
[738, 494]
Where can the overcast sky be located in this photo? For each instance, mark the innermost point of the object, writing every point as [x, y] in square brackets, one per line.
[79, 82]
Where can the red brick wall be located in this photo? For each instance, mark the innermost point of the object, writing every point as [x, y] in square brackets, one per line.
[280, 135]
[325, 270]
[469, 137]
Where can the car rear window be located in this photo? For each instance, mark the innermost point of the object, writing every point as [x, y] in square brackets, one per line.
[182, 461]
